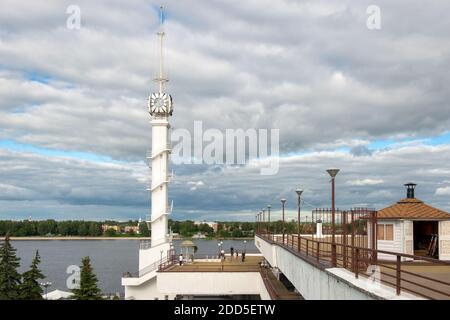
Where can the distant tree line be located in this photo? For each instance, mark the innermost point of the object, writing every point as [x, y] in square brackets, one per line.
[187, 228]
[52, 227]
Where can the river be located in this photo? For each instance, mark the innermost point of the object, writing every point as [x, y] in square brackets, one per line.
[109, 258]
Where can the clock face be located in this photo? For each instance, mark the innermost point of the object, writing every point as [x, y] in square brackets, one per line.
[160, 103]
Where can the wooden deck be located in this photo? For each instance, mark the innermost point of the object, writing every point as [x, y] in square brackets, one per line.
[437, 272]
[251, 264]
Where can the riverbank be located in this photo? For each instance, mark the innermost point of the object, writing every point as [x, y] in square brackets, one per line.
[107, 238]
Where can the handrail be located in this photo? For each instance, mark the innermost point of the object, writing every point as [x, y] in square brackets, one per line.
[142, 272]
[150, 268]
[270, 289]
[354, 258]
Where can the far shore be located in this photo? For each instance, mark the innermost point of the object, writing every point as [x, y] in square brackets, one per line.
[109, 238]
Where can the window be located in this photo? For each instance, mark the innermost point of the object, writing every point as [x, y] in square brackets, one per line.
[385, 232]
[380, 232]
[389, 232]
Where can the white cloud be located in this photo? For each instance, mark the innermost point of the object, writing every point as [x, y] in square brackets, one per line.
[310, 68]
[443, 191]
[365, 182]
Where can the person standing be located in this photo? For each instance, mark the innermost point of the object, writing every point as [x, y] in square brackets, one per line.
[231, 253]
[181, 259]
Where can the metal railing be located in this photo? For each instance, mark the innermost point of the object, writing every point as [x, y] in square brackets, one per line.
[154, 266]
[268, 284]
[170, 259]
[396, 271]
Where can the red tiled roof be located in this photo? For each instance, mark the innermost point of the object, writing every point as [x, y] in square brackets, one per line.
[412, 209]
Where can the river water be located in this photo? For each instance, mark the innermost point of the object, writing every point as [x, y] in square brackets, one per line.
[109, 258]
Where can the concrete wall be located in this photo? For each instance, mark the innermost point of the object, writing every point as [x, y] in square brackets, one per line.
[314, 283]
[146, 291]
[322, 284]
[153, 254]
[212, 283]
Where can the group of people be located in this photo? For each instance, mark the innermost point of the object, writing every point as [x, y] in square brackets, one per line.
[234, 254]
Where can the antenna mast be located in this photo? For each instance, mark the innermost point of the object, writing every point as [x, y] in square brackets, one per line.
[161, 79]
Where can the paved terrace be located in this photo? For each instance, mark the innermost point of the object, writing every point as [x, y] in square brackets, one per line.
[276, 288]
[251, 264]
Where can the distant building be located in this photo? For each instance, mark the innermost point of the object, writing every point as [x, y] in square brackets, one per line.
[213, 225]
[198, 235]
[131, 229]
[106, 227]
[412, 227]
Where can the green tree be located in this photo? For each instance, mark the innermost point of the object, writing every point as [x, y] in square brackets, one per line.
[9, 277]
[88, 283]
[143, 230]
[30, 288]
[83, 229]
[236, 233]
[95, 229]
[110, 232]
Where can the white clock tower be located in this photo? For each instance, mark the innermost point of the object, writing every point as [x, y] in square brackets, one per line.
[160, 109]
[143, 285]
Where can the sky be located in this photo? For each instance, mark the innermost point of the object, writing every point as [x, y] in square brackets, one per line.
[74, 126]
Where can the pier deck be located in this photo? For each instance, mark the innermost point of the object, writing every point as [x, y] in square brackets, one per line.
[251, 264]
[275, 287]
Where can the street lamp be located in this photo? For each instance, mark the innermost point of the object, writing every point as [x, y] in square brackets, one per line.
[46, 285]
[299, 194]
[264, 220]
[268, 217]
[333, 173]
[283, 201]
[245, 245]
[260, 221]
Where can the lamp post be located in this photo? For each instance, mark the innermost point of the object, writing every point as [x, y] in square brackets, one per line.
[46, 285]
[299, 194]
[283, 201]
[264, 220]
[268, 218]
[333, 173]
[260, 221]
[245, 245]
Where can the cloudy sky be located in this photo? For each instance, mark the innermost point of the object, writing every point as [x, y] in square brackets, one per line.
[74, 127]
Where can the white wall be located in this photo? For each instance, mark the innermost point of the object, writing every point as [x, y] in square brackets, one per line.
[151, 255]
[212, 283]
[395, 245]
[444, 240]
[323, 284]
[146, 291]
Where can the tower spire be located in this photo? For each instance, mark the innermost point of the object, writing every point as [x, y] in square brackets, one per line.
[161, 79]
